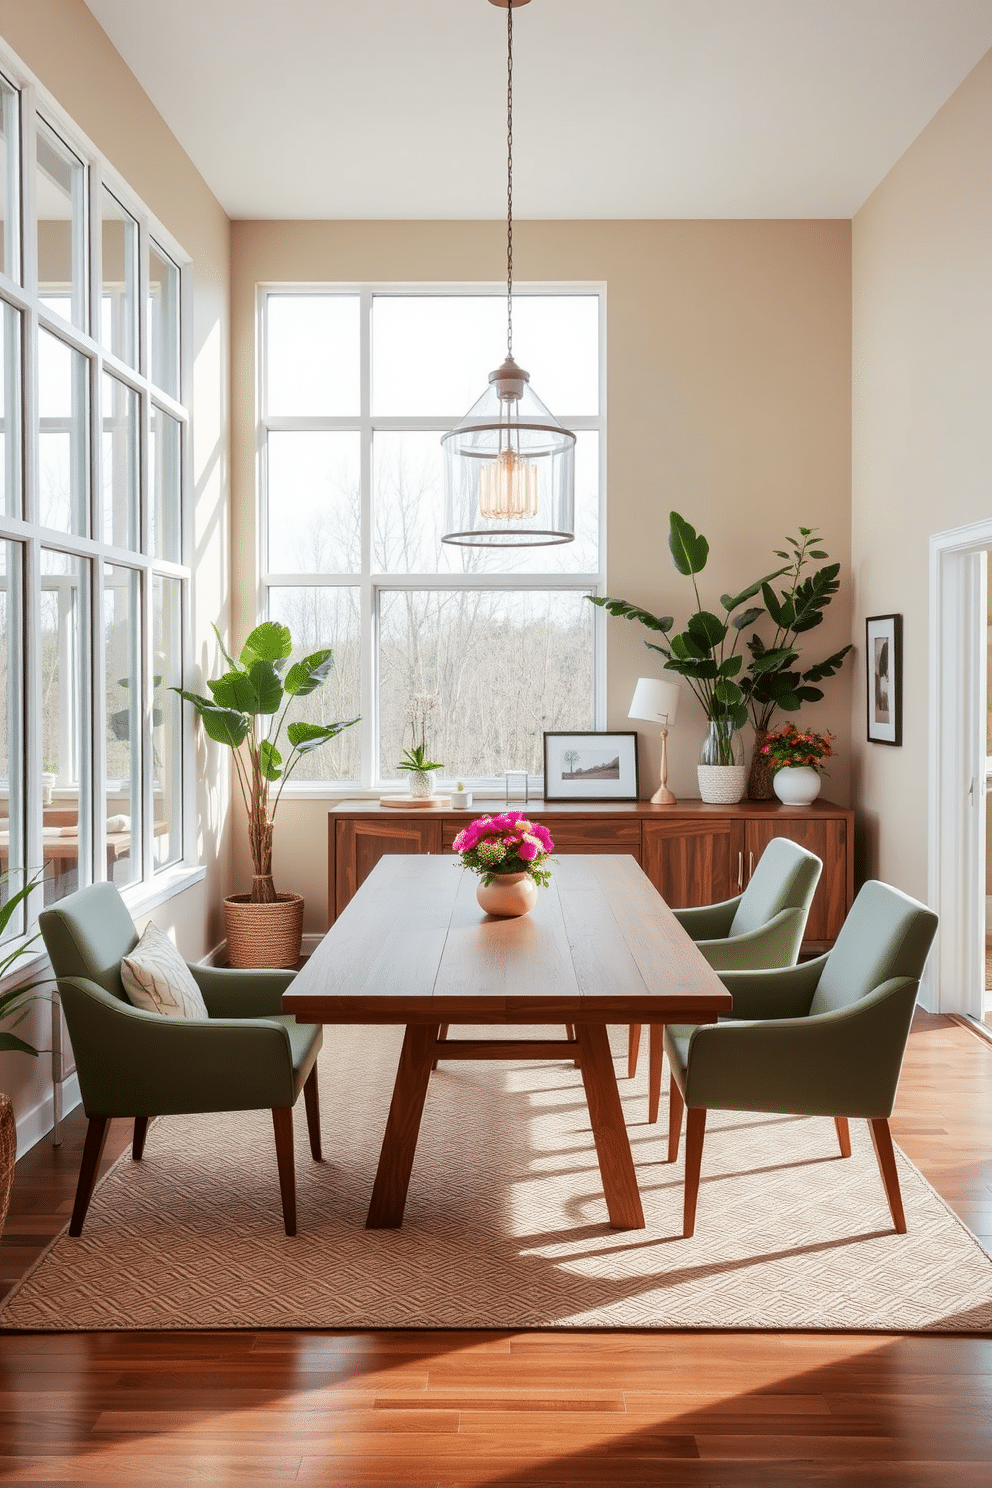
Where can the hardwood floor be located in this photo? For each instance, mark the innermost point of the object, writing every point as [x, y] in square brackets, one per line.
[726, 1410]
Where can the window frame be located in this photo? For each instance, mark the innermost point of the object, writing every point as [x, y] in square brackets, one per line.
[372, 583]
[154, 883]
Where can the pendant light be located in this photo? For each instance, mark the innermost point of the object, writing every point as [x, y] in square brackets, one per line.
[509, 467]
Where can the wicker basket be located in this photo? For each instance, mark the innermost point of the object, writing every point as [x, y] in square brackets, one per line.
[8, 1154]
[263, 934]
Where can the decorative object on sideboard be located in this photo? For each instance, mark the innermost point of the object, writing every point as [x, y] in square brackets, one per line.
[657, 701]
[246, 712]
[509, 466]
[14, 1005]
[509, 852]
[721, 772]
[728, 689]
[590, 767]
[461, 797]
[883, 654]
[796, 757]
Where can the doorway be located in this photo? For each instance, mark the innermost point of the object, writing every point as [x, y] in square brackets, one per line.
[958, 765]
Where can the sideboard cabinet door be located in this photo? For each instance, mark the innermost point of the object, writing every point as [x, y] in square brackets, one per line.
[360, 843]
[694, 862]
[828, 838]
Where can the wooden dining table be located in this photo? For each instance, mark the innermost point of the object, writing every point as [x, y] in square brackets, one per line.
[414, 948]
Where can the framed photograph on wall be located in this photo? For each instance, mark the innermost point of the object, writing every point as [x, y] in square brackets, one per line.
[883, 657]
[590, 767]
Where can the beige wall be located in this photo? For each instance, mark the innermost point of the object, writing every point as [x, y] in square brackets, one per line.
[922, 428]
[729, 384]
[60, 42]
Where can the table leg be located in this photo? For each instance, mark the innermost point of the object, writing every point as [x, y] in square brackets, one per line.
[609, 1129]
[399, 1143]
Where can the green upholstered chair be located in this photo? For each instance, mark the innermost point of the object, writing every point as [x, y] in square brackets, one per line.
[763, 926]
[825, 1038]
[137, 1064]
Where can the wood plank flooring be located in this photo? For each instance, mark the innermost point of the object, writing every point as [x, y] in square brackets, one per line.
[711, 1410]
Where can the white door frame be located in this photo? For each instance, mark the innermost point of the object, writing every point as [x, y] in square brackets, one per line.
[956, 783]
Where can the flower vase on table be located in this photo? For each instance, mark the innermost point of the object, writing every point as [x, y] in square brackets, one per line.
[508, 851]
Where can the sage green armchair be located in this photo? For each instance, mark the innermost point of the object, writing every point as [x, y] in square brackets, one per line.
[137, 1064]
[825, 1038]
[761, 927]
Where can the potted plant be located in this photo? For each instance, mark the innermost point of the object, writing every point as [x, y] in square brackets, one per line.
[707, 653]
[796, 759]
[774, 676]
[509, 853]
[422, 771]
[247, 711]
[13, 1010]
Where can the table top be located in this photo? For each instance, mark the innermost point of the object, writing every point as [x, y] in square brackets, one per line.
[413, 946]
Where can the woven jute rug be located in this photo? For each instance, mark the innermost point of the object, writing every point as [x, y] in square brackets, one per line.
[505, 1225]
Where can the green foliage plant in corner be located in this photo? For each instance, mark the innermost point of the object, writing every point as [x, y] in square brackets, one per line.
[247, 711]
[14, 1003]
[707, 652]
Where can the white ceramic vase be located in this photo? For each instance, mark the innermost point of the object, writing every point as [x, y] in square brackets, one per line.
[422, 783]
[508, 895]
[796, 785]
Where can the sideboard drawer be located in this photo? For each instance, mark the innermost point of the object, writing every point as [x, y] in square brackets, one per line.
[593, 835]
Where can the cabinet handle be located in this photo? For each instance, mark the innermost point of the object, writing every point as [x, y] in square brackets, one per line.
[740, 870]
[750, 865]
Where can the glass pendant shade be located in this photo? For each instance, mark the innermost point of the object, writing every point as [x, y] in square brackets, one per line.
[509, 469]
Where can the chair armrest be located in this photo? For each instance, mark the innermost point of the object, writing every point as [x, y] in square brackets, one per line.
[708, 921]
[134, 1063]
[230, 992]
[842, 1063]
[774, 992]
[775, 943]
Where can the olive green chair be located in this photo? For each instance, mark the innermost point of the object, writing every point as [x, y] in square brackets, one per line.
[825, 1038]
[136, 1064]
[761, 927]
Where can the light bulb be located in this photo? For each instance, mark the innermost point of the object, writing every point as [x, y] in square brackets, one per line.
[508, 488]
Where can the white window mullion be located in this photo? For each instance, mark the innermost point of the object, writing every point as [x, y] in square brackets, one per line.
[96, 733]
[369, 619]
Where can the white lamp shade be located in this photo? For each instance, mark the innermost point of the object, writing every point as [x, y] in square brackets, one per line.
[655, 700]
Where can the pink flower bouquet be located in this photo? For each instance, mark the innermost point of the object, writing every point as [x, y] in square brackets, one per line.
[507, 843]
[790, 748]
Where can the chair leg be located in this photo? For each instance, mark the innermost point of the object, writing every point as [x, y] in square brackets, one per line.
[633, 1045]
[138, 1140]
[442, 1034]
[96, 1137]
[695, 1129]
[843, 1135]
[656, 1058]
[882, 1141]
[676, 1105]
[282, 1122]
[311, 1101]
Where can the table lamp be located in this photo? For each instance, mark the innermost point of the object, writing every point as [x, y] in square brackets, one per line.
[657, 701]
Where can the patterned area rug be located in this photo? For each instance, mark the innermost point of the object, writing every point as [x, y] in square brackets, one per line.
[506, 1223]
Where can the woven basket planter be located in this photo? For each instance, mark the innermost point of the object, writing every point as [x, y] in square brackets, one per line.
[263, 934]
[8, 1154]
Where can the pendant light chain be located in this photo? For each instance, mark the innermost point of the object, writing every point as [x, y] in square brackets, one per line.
[509, 179]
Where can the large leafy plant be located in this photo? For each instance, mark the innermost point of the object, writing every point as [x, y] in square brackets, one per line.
[247, 711]
[14, 1004]
[708, 652]
[775, 679]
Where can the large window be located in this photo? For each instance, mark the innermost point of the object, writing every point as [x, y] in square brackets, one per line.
[483, 649]
[93, 590]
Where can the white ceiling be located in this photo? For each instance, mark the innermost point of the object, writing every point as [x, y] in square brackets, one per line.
[622, 108]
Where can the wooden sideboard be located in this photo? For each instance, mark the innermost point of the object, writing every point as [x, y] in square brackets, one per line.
[693, 853]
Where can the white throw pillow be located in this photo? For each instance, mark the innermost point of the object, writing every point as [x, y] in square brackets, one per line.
[157, 979]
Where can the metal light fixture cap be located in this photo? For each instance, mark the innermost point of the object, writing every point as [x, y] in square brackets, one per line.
[509, 380]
